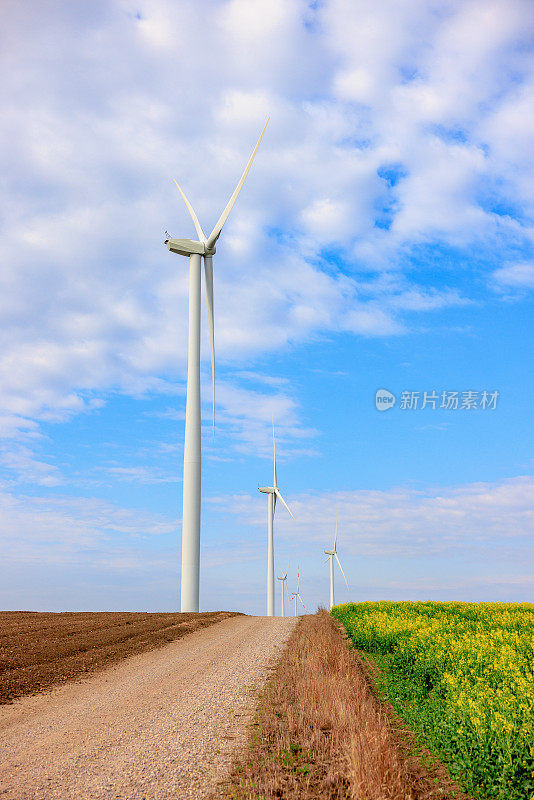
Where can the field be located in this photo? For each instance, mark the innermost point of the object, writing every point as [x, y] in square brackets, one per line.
[39, 650]
[461, 676]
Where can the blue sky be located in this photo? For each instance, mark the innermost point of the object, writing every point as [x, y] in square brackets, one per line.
[383, 240]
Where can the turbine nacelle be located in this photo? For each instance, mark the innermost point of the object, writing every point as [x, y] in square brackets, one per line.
[267, 489]
[188, 247]
[284, 576]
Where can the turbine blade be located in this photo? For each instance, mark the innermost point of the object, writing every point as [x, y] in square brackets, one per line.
[274, 503]
[277, 494]
[274, 458]
[335, 537]
[341, 568]
[200, 233]
[208, 268]
[326, 559]
[214, 235]
[300, 598]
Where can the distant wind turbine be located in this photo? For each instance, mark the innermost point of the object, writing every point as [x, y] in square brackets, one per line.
[273, 492]
[191, 484]
[296, 594]
[331, 555]
[283, 578]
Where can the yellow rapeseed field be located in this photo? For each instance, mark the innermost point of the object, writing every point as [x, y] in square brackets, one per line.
[462, 675]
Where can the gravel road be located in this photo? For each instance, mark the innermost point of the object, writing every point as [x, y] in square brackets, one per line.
[157, 726]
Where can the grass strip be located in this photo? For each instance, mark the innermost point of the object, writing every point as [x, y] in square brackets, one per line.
[321, 732]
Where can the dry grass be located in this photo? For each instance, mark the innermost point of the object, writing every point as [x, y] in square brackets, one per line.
[321, 732]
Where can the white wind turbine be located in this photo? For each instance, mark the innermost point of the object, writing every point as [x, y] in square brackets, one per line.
[331, 555]
[191, 483]
[283, 578]
[273, 492]
[296, 594]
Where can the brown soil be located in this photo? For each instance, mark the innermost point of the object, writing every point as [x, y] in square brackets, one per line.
[322, 732]
[40, 650]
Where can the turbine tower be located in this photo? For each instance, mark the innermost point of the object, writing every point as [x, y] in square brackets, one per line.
[273, 493]
[296, 594]
[283, 578]
[205, 246]
[331, 555]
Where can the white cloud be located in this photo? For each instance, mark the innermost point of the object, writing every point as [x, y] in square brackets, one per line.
[416, 300]
[20, 461]
[515, 276]
[327, 219]
[437, 200]
[404, 522]
[245, 414]
[358, 85]
[58, 530]
[372, 321]
[139, 474]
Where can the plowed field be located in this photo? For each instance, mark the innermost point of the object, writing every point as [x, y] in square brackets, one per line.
[40, 650]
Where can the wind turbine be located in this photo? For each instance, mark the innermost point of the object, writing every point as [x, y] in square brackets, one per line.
[296, 594]
[331, 555]
[273, 492]
[205, 247]
[283, 578]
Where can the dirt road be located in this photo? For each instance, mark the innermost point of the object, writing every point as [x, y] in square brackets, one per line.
[157, 726]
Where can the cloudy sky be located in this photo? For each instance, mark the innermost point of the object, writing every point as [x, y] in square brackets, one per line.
[383, 240]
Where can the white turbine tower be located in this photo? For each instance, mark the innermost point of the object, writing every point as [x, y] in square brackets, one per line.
[273, 492]
[296, 594]
[331, 555]
[205, 246]
[283, 578]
